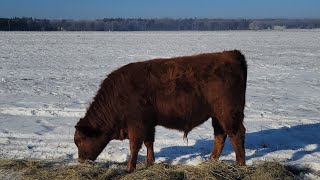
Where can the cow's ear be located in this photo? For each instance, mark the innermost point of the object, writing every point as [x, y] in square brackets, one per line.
[88, 131]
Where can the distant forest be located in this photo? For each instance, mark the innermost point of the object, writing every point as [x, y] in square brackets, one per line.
[164, 24]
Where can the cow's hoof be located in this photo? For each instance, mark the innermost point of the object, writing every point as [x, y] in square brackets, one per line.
[130, 169]
[213, 158]
[149, 162]
[241, 164]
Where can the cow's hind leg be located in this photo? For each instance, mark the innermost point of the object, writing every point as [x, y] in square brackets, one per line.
[237, 138]
[219, 139]
[136, 139]
[232, 124]
[148, 142]
[229, 118]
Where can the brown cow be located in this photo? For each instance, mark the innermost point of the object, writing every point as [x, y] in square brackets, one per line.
[178, 93]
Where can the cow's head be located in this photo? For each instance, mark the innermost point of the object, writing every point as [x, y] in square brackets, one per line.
[90, 142]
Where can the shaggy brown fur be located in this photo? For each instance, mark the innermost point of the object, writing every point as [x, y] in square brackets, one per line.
[178, 93]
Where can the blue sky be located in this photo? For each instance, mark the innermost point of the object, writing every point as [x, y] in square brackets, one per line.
[93, 9]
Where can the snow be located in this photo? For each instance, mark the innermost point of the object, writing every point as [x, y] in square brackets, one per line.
[47, 80]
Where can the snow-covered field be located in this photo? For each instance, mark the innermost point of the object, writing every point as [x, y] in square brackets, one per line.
[47, 79]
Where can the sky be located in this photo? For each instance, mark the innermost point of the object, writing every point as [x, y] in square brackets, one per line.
[97, 9]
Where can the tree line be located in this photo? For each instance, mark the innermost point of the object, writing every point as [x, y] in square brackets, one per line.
[162, 24]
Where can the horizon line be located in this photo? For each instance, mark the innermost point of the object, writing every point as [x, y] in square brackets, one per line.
[174, 18]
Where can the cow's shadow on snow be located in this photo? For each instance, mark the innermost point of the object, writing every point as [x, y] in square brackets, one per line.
[304, 139]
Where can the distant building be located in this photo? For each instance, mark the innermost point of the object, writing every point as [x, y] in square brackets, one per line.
[279, 27]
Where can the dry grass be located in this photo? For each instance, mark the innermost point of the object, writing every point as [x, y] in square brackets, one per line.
[31, 169]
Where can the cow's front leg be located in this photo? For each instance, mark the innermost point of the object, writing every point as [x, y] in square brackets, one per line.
[150, 153]
[148, 142]
[135, 145]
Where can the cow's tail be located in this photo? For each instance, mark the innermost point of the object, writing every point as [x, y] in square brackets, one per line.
[240, 57]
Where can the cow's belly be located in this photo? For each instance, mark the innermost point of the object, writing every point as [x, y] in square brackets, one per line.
[182, 111]
[181, 124]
